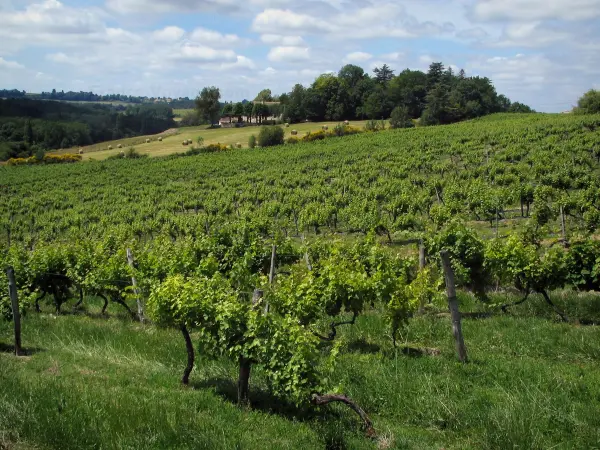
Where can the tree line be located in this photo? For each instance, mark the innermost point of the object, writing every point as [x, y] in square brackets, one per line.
[439, 96]
[81, 96]
[31, 127]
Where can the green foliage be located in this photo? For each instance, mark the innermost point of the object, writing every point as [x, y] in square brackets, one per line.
[28, 126]
[252, 141]
[207, 104]
[400, 118]
[270, 136]
[589, 103]
[375, 125]
[467, 255]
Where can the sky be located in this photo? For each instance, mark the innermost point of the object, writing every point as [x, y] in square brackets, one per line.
[544, 53]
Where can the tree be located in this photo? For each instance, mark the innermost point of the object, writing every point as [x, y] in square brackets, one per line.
[383, 74]
[409, 88]
[264, 96]
[517, 107]
[28, 134]
[248, 107]
[238, 110]
[435, 74]
[207, 104]
[589, 103]
[350, 75]
[227, 110]
[400, 118]
[270, 136]
[296, 104]
[378, 105]
[438, 106]
[503, 103]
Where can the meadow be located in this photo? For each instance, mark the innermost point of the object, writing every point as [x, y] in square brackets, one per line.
[93, 381]
[172, 139]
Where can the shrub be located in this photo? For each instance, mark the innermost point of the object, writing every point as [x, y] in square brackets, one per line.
[47, 159]
[316, 136]
[293, 140]
[344, 130]
[400, 118]
[200, 141]
[212, 148]
[375, 125]
[132, 153]
[252, 141]
[191, 119]
[270, 136]
[589, 103]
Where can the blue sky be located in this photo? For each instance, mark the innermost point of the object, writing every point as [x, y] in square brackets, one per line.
[545, 53]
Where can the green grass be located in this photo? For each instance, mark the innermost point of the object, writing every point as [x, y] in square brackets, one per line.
[93, 382]
[173, 143]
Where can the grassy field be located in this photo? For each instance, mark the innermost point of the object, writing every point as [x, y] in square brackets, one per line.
[106, 382]
[179, 113]
[173, 143]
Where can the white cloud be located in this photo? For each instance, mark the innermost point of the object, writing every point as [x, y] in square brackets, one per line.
[472, 33]
[531, 10]
[286, 21]
[163, 6]
[10, 65]
[278, 39]
[289, 54]
[357, 57]
[198, 53]
[169, 34]
[211, 37]
[385, 20]
[241, 63]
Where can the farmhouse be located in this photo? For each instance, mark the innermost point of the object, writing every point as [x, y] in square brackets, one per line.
[227, 122]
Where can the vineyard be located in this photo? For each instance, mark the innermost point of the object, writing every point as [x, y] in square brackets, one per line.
[306, 283]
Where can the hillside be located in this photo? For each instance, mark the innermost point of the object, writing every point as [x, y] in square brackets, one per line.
[172, 142]
[289, 278]
[350, 183]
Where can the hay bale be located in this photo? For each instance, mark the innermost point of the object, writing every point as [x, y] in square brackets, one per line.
[147, 141]
[110, 147]
[160, 139]
[325, 128]
[184, 142]
[81, 151]
[346, 122]
[119, 146]
[287, 125]
[238, 145]
[294, 132]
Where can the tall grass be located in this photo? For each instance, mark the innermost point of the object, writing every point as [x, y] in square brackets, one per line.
[94, 382]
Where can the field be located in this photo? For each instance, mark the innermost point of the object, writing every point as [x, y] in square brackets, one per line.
[532, 383]
[172, 142]
[344, 307]
[179, 113]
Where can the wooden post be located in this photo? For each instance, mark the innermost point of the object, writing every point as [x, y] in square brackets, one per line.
[563, 226]
[421, 267]
[14, 301]
[306, 259]
[273, 257]
[138, 300]
[271, 273]
[246, 364]
[497, 221]
[453, 306]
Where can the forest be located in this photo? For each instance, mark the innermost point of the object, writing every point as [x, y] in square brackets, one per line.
[32, 127]
[439, 96]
